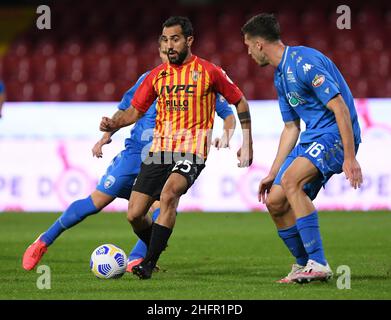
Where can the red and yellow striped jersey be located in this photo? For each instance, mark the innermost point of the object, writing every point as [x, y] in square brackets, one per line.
[186, 101]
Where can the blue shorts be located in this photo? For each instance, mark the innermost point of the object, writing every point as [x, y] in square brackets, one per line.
[120, 175]
[325, 153]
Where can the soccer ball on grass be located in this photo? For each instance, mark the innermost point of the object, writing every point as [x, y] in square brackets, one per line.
[108, 262]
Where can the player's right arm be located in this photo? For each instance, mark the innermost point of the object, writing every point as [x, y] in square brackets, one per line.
[224, 111]
[106, 138]
[224, 85]
[288, 139]
[122, 106]
[144, 96]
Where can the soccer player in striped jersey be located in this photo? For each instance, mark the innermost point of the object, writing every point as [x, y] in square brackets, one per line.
[185, 89]
[118, 180]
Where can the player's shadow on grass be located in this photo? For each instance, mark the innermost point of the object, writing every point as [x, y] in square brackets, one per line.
[371, 277]
[60, 261]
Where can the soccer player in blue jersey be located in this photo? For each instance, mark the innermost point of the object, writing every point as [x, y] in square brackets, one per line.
[2, 97]
[310, 88]
[120, 176]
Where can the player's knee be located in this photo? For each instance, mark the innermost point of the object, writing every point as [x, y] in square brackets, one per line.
[289, 183]
[133, 214]
[169, 197]
[277, 207]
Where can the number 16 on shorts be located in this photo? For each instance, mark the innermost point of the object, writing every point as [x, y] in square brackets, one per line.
[315, 149]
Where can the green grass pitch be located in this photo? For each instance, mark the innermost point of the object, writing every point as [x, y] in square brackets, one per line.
[210, 256]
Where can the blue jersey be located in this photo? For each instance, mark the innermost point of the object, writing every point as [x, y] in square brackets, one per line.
[306, 80]
[1, 87]
[142, 132]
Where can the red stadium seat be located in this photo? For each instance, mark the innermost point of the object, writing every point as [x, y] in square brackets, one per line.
[75, 91]
[125, 67]
[349, 63]
[288, 20]
[377, 62]
[264, 88]
[125, 46]
[45, 48]
[360, 88]
[102, 91]
[13, 90]
[206, 45]
[17, 69]
[148, 61]
[19, 48]
[72, 47]
[369, 17]
[47, 91]
[71, 68]
[27, 92]
[344, 40]
[313, 20]
[319, 40]
[97, 67]
[249, 90]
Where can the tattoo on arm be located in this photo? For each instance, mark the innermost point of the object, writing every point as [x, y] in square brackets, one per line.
[244, 117]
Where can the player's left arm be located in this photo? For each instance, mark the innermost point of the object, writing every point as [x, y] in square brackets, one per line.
[351, 167]
[245, 153]
[224, 111]
[224, 85]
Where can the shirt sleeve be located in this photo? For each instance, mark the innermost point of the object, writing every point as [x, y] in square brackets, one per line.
[224, 85]
[315, 77]
[223, 109]
[287, 112]
[145, 94]
[128, 96]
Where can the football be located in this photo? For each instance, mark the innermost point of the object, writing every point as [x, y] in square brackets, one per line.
[108, 262]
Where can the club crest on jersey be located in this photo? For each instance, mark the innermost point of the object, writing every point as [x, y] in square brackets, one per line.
[318, 80]
[195, 75]
[294, 99]
[110, 180]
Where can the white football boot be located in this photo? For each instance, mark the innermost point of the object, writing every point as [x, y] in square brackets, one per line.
[313, 271]
[296, 268]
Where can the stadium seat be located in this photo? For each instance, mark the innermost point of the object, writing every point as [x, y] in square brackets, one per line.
[377, 62]
[348, 62]
[344, 40]
[102, 91]
[48, 91]
[75, 91]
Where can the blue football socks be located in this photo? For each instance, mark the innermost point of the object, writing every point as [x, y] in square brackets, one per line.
[310, 234]
[140, 249]
[75, 213]
[292, 240]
